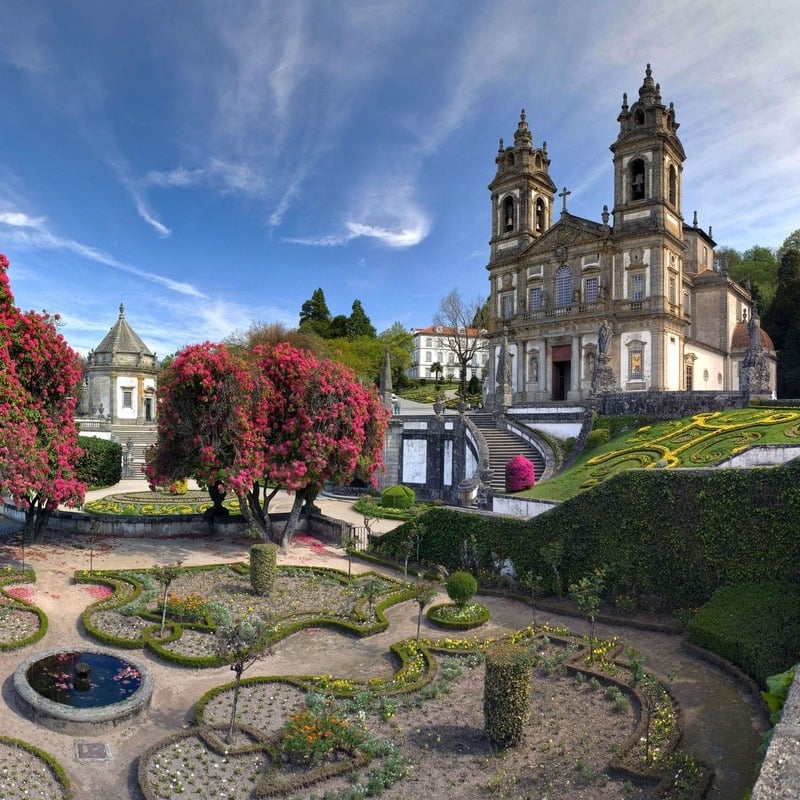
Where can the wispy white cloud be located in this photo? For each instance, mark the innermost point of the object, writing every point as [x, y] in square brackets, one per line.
[24, 231]
[178, 177]
[136, 190]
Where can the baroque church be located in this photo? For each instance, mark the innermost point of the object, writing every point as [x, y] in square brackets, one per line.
[635, 302]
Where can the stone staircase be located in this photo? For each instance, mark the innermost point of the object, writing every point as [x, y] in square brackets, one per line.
[141, 436]
[503, 446]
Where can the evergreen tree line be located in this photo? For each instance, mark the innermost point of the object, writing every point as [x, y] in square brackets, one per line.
[774, 279]
[351, 340]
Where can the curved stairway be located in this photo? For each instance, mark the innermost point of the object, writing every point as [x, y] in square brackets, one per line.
[503, 446]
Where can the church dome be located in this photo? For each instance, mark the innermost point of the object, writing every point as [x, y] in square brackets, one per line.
[741, 337]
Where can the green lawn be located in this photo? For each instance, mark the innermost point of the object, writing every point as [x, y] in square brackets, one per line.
[701, 440]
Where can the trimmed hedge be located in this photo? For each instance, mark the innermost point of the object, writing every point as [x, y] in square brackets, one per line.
[8, 577]
[398, 497]
[597, 437]
[100, 464]
[675, 534]
[507, 693]
[127, 589]
[263, 567]
[55, 768]
[756, 626]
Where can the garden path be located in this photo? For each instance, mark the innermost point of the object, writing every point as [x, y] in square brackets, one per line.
[723, 726]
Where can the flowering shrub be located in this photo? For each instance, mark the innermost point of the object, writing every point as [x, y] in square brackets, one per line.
[192, 607]
[39, 374]
[179, 487]
[317, 732]
[520, 474]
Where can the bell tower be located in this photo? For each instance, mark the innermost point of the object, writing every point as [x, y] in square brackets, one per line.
[648, 164]
[522, 193]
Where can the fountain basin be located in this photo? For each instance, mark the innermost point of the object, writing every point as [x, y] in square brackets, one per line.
[76, 691]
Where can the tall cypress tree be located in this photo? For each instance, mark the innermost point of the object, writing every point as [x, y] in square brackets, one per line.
[782, 323]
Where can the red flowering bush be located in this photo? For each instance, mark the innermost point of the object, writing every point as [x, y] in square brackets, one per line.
[39, 376]
[251, 423]
[520, 474]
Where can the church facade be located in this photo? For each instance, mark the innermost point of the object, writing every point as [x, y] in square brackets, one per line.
[631, 303]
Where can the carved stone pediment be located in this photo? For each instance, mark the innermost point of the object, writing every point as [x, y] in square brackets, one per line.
[563, 237]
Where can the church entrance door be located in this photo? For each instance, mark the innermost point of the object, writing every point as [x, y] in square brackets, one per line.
[148, 409]
[562, 370]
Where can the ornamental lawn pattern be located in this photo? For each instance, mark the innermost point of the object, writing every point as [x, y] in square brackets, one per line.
[701, 440]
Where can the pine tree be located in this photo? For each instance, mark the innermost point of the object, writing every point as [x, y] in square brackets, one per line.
[358, 323]
[315, 316]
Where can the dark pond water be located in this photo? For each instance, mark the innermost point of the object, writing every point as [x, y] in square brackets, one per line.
[63, 678]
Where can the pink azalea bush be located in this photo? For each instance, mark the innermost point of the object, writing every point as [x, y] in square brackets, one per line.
[520, 474]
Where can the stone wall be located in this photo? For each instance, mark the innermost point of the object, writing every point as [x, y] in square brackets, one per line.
[666, 405]
[779, 778]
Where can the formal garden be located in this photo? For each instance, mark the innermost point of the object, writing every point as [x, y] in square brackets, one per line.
[590, 721]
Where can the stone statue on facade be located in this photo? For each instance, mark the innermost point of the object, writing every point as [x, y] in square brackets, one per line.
[603, 380]
[504, 391]
[755, 374]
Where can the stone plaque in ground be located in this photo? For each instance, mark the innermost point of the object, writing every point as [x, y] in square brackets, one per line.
[91, 751]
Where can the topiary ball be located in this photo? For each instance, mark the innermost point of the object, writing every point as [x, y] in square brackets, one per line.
[398, 497]
[461, 587]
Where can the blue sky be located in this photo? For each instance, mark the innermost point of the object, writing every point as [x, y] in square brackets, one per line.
[210, 163]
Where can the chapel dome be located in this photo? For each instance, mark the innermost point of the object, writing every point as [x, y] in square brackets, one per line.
[741, 337]
[122, 346]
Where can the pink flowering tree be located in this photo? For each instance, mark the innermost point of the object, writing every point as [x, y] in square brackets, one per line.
[39, 378]
[318, 424]
[276, 419]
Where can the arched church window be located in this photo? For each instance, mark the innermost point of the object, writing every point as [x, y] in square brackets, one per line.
[508, 213]
[510, 159]
[673, 184]
[639, 117]
[541, 220]
[637, 179]
[563, 288]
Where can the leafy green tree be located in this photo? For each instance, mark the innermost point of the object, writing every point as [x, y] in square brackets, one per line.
[401, 347]
[761, 267]
[362, 355]
[314, 315]
[358, 323]
[424, 592]
[437, 369]
[240, 644]
[791, 242]
[337, 328]
[586, 593]
[165, 575]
